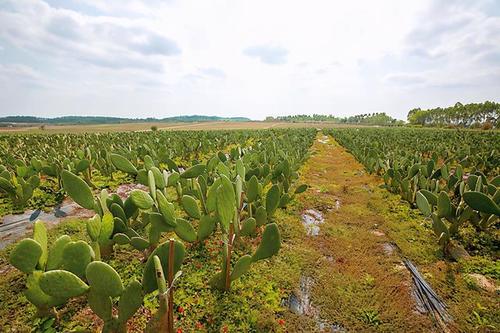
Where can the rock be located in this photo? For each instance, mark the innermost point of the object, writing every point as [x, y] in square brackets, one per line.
[378, 233]
[484, 283]
[457, 252]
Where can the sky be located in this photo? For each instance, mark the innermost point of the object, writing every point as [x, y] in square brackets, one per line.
[154, 58]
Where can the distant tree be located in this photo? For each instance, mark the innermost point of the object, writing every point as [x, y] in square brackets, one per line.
[381, 119]
[461, 115]
[154, 128]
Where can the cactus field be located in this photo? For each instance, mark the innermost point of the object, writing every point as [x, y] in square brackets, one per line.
[210, 236]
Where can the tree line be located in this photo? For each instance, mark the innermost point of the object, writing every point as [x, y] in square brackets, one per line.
[484, 115]
[91, 120]
[381, 119]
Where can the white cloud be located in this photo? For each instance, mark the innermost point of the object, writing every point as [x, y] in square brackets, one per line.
[258, 58]
[271, 55]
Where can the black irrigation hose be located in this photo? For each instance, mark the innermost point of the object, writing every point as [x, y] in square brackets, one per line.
[427, 297]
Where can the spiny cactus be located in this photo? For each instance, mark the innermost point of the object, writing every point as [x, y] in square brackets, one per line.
[475, 206]
[19, 185]
[482, 203]
[160, 273]
[32, 257]
[78, 190]
[102, 287]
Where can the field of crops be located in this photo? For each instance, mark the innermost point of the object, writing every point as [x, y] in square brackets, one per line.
[201, 241]
[453, 177]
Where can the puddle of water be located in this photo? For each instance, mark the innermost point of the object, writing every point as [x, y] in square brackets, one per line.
[337, 204]
[17, 226]
[14, 227]
[300, 303]
[324, 139]
[388, 248]
[311, 219]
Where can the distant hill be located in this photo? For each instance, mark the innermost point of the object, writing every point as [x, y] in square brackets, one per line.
[70, 120]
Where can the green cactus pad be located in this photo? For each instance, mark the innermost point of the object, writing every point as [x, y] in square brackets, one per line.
[117, 211]
[36, 296]
[481, 202]
[103, 279]
[431, 197]
[62, 284]
[225, 202]
[238, 190]
[217, 281]
[130, 301]
[157, 221]
[94, 227]
[129, 207]
[301, 188]
[6, 186]
[241, 267]
[121, 239]
[122, 164]
[284, 200]
[152, 185]
[149, 277]
[261, 216]
[248, 227]
[173, 178]
[211, 202]
[193, 171]
[272, 199]
[25, 255]
[166, 209]
[270, 243]
[118, 225]
[142, 177]
[438, 226]
[139, 243]
[444, 208]
[101, 304]
[423, 204]
[78, 190]
[185, 230]
[413, 170]
[206, 227]
[252, 192]
[54, 259]
[158, 177]
[76, 256]
[141, 199]
[40, 236]
[107, 226]
[190, 206]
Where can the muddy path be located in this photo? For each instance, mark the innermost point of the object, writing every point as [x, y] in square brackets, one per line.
[352, 278]
[16, 226]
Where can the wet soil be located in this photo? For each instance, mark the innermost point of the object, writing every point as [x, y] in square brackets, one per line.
[353, 279]
[15, 226]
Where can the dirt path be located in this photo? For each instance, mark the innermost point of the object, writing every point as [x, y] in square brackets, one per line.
[352, 279]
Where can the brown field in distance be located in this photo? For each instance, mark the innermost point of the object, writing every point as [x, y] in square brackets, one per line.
[216, 125]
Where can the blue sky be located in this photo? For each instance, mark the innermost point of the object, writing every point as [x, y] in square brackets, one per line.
[245, 58]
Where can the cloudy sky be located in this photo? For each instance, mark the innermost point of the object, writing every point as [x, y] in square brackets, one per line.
[245, 58]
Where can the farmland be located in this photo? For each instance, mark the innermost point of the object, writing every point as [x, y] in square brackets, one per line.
[279, 228]
[200, 126]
